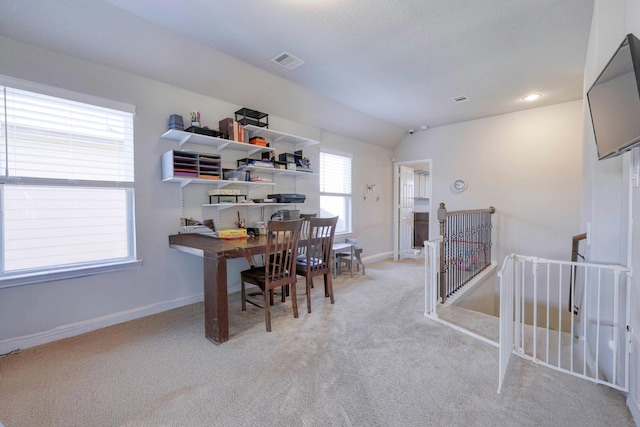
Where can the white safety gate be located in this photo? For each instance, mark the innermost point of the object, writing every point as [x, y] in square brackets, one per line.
[431, 276]
[569, 316]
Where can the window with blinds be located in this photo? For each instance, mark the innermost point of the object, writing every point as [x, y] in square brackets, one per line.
[335, 189]
[66, 185]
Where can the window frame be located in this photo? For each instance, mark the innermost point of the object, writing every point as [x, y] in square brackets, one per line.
[79, 269]
[348, 197]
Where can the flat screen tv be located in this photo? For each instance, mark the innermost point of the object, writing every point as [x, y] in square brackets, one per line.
[614, 101]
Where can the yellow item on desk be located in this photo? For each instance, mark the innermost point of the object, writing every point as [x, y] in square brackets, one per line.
[233, 233]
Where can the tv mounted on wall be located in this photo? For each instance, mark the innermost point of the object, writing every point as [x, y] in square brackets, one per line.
[614, 101]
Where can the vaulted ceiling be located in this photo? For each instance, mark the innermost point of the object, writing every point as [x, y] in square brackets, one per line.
[397, 63]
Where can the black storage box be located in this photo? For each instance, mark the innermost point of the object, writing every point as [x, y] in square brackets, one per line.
[287, 157]
[288, 198]
[289, 214]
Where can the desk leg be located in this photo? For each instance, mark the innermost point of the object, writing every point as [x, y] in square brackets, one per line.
[216, 304]
[351, 266]
[334, 265]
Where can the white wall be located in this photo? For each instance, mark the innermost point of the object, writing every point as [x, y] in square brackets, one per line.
[607, 195]
[525, 164]
[37, 313]
[372, 218]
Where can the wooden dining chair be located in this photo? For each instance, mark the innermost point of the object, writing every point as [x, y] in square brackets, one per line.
[306, 218]
[317, 258]
[279, 270]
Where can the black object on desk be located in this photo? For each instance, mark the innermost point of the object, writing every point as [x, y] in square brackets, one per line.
[288, 198]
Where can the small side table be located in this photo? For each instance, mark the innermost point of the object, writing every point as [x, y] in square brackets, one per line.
[340, 247]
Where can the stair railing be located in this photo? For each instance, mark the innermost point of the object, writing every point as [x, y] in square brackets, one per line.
[465, 249]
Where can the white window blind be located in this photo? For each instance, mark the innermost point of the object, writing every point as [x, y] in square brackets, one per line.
[335, 174]
[48, 137]
[51, 226]
[335, 189]
[67, 176]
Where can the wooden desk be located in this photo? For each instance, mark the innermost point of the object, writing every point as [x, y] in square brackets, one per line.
[215, 253]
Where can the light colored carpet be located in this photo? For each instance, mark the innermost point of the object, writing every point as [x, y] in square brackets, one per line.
[372, 359]
[479, 323]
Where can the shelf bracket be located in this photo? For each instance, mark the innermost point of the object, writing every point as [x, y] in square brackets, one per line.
[220, 147]
[181, 141]
[221, 208]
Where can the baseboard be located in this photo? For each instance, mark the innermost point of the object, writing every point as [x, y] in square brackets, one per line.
[634, 408]
[377, 257]
[77, 328]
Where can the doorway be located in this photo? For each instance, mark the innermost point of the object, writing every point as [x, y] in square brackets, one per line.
[412, 206]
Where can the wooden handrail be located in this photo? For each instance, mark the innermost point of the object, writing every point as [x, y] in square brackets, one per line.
[575, 245]
[443, 213]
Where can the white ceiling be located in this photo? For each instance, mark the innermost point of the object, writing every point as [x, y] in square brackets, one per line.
[396, 62]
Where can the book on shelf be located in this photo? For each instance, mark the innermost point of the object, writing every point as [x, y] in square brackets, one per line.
[234, 130]
[227, 127]
[240, 133]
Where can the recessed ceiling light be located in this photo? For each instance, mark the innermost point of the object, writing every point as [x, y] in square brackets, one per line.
[532, 97]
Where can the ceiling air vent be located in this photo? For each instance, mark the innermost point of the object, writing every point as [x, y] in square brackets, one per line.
[460, 98]
[288, 61]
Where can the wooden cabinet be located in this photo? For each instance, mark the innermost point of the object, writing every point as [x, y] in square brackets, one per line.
[420, 228]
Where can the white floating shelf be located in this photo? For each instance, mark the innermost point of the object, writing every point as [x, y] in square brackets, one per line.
[217, 182]
[249, 205]
[276, 136]
[221, 144]
[278, 172]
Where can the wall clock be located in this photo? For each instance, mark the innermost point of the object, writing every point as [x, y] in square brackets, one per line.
[459, 185]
